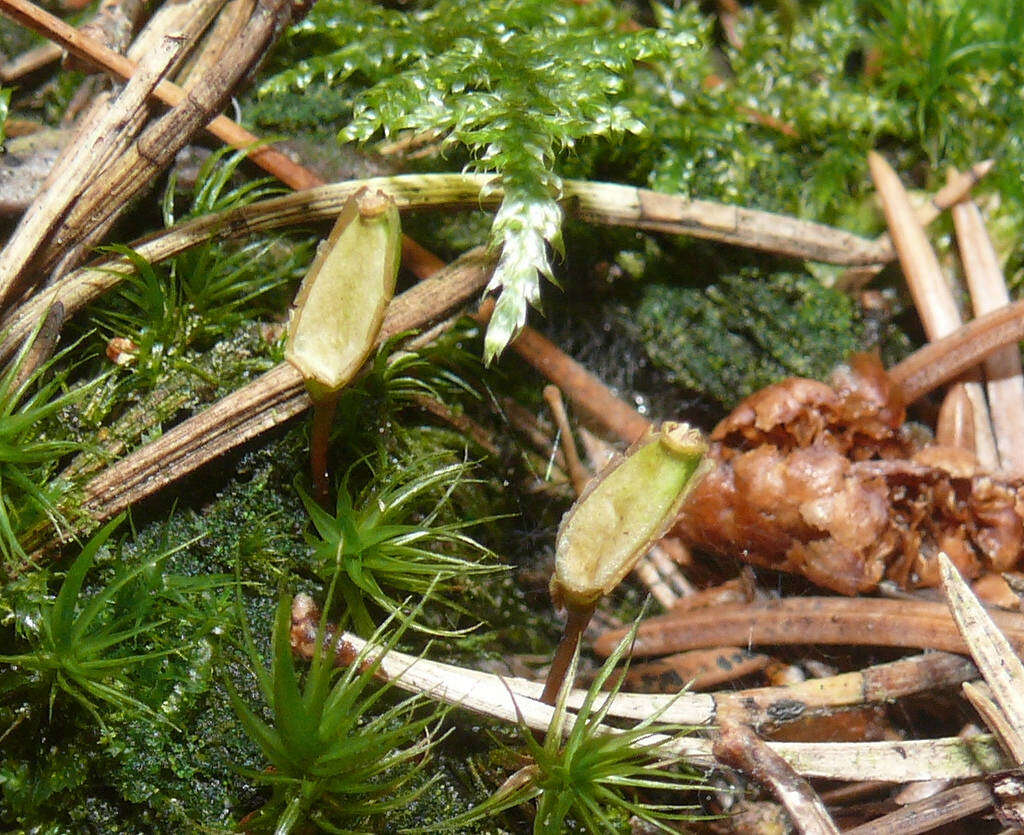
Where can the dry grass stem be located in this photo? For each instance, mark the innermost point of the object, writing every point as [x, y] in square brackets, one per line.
[28, 62]
[741, 748]
[106, 134]
[89, 49]
[157, 144]
[229, 24]
[995, 658]
[507, 699]
[932, 295]
[410, 192]
[1004, 381]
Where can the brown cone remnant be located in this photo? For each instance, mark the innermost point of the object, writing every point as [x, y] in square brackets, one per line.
[828, 482]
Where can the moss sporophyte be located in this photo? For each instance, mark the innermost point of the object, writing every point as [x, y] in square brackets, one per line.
[339, 310]
[623, 511]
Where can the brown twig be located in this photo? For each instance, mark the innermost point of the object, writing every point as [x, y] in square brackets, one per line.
[105, 135]
[957, 188]
[589, 395]
[30, 15]
[698, 669]
[741, 748]
[808, 620]
[577, 472]
[946, 359]
[932, 812]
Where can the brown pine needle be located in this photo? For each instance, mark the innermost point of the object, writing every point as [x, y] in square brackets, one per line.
[932, 295]
[995, 657]
[1004, 381]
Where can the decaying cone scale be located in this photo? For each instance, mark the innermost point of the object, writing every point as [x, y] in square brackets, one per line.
[624, 511]
[827, 481]
[341, 303]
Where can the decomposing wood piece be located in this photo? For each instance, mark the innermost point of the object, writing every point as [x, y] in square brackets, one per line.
[157, 144]
[267, 401]
[514, 700]
[825, 481]
[30, 15]
[739, 747]
[105, 135]
[808, 620]
[1004, 382]
[933, 298]
[926, 815]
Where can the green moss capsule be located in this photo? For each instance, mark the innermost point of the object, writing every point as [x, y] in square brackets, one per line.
[624, 511]
[341, 303]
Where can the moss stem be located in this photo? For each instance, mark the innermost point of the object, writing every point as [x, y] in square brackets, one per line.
[571, 634]
[319, 441]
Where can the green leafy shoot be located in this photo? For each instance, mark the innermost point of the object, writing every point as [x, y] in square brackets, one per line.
[30, 446]
[592, 774]
[5, 105]
[337, 753]
[211, 193]
[443, 371]
[512, 85]
[206, 293]
[82, 646]
[939, 52]
[388, 540]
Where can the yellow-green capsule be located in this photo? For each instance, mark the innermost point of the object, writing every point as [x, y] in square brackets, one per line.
[341, 303]
[624, 511]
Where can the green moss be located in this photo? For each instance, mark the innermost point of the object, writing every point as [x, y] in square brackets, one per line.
[747, 331]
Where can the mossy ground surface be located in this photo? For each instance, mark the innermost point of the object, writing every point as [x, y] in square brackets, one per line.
[681, 328]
